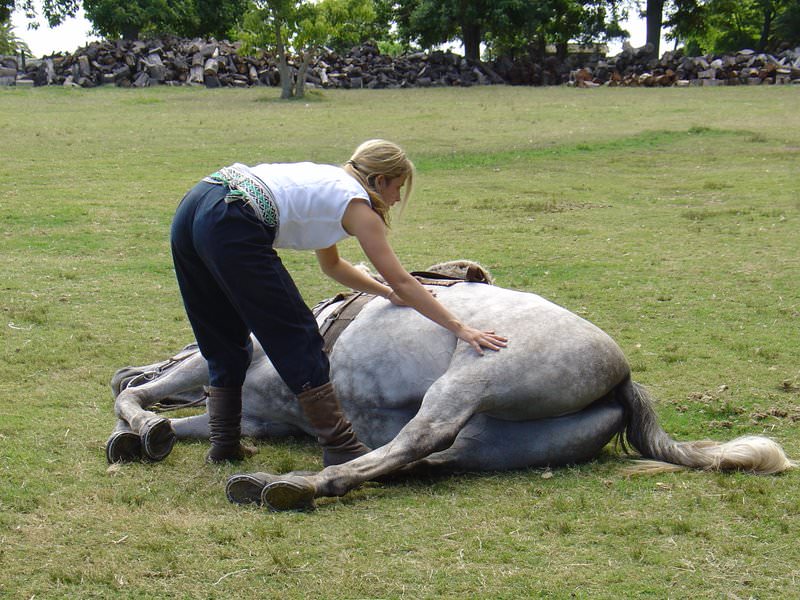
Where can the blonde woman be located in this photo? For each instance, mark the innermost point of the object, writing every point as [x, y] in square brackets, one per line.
[233, 283]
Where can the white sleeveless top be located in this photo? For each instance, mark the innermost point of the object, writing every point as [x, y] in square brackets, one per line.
[311, 200]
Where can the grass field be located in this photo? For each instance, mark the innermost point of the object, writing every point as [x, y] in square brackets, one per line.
[670, 218]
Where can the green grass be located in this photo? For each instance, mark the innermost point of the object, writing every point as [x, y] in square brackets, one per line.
[668, 217]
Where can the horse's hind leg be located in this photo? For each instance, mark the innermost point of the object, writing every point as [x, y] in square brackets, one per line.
[487, 444]
[444, 411]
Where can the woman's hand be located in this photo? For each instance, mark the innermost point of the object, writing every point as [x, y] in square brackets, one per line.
[395, 299]
[398, 301]
[482, 339]
[362, 222]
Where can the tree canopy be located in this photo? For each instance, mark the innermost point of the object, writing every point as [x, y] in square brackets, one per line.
[188, 18]
[729, 25]
[500, 27]
[507, 26]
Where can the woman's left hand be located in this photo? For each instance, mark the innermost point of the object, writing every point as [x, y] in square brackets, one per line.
[395, 299]
[398, 301]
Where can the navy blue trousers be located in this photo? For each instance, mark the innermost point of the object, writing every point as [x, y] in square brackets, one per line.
[234, 283]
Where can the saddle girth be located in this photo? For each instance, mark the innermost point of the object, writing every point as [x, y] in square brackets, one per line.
[336, 322]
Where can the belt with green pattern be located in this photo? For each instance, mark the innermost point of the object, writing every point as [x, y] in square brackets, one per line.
[249, 189]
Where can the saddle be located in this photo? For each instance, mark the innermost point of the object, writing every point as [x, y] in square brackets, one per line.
[352, 302]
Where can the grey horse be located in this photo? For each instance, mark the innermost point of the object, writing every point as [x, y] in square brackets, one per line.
[556, 395]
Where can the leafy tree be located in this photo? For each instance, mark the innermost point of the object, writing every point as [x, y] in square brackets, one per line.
[190, 18]
[729, 25]
[303, 27]
[432, 22]
[10, 44]
[53, 11]
[216, 18]
[507, 25]
[787, 24]
[131, 18]
[6, 8]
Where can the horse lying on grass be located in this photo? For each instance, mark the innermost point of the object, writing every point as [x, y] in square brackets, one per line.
[556, 395]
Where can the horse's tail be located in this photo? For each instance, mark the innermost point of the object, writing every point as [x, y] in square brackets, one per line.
[753, 453]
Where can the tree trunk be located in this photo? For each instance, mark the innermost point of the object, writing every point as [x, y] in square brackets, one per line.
[766, 29]
[655, 15]
[130, 33]
[471, 36]
[300, 87]
[287, 87]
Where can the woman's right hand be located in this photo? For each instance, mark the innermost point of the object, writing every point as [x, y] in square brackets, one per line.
[482, 339]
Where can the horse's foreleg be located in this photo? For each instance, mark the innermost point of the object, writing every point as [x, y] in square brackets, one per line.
[123, 444]
[156, 433]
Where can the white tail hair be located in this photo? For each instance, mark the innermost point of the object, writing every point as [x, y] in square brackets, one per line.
[751, 453]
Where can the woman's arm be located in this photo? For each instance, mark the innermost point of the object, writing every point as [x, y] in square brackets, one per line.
[361, 221]
[338, 269]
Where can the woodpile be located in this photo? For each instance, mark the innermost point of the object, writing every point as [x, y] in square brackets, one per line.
[211, 63]
[632, 67]
[172, 61]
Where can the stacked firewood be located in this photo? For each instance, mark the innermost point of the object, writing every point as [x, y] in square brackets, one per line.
[171, 61]
[211, 63]
[632, 68]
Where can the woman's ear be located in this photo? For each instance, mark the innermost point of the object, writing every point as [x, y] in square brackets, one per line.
[380, 182]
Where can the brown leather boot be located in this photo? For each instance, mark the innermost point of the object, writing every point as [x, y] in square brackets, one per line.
[224, 407]
[334, 432]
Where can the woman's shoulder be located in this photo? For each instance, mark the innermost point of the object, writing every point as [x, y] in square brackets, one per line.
[302, 171]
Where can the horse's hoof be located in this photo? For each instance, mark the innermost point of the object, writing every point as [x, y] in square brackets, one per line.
[291, 493]
[158, 438]
[246, 488]
[123, 446]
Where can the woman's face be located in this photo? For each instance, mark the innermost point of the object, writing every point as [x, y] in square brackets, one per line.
[390, 189]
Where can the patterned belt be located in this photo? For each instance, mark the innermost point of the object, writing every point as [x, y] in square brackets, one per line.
[249, 189]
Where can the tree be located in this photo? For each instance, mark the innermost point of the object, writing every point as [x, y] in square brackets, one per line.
[303, 27]
[10, 44]
[654, 16]
[432, 22]
[191, 18]
[730, 25]
[507, 25]
[787, 24]
[131, 18]
[53, 11]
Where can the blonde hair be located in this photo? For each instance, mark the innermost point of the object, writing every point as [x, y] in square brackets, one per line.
[380, 157]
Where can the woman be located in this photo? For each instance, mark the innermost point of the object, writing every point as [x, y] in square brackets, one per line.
[224, 236]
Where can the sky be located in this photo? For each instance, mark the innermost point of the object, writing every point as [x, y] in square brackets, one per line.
[75, 32]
